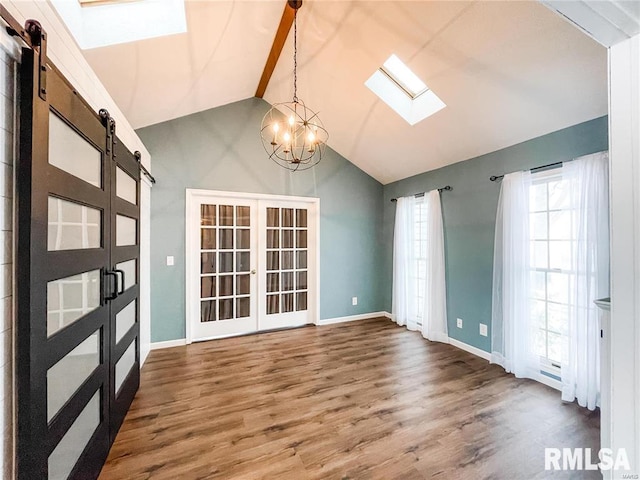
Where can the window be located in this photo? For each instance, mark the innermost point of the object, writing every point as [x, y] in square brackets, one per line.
[396, 85]
[552, 247]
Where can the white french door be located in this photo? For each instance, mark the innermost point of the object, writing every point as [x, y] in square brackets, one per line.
[251, 263]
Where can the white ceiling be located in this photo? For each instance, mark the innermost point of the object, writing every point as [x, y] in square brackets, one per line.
[508, 72]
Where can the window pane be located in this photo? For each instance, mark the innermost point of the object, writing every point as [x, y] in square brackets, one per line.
[301, 217]
[126, 187]
[558, 318]
[538, 284]
[555, 347]
[70, 152]
[538, 313]
[73, 226]
[208, 214]
[242, 261]
[226, 238]
[301, 239]
[208, 311]
[273, 260]
[287, 260]
[558, 195]
[273, 217]
[226, 215]
[226, 262]
[71, 298]
[66, 376]
[66, 454]
[226, 285]
[560, 225]
[125, 231]
[287, 238]
[560, 254]
[558, 287]
[273, 304]
[208, 262]
[273, 282]
[301, 281]
[301, 301]
[272, 239]
[129, 269]
[538, 226]
[541, 343]
[226, 309]
[207, 287]
[243, 239]
[287, 281]
[125, 319]
[538, 197]
[287, 217]
[302, 259]
[287, 302]
[242, 285]
[243, 218]
[243, 307]
[125, 364]
[208, 238]
[539, 254]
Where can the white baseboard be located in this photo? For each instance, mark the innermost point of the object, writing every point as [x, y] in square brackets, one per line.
[168, 344]
[353, 318]
[470, 348]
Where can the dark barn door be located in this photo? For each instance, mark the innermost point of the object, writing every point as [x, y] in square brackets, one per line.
[78, 259]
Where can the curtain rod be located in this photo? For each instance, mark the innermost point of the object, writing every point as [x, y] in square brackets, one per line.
[421, 194]
[493, 178]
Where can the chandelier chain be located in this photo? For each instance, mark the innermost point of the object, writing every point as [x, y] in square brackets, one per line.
[295, 56]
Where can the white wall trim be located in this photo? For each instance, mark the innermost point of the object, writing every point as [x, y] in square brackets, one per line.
[352, 318]
[168, 344]
[248, 195]
[470, 348]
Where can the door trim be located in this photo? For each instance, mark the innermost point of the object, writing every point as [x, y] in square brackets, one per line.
[191, 193]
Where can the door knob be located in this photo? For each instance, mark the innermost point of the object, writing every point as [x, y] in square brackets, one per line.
[253, 272]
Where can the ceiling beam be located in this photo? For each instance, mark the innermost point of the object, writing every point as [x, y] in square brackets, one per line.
[278, 43]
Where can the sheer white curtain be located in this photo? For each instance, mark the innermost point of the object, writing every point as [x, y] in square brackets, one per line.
[419, 289]
[588, 186]
[513, 332]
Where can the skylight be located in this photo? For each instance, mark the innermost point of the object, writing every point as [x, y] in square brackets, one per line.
[403, 76]
[99, 23]
[401, 89]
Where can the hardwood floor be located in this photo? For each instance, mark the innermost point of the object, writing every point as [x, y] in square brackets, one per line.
[363, 400]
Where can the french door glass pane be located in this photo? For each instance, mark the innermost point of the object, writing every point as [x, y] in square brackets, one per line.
[273, 217]
[66, 376]
[129, 269]
[125, 231]
[302, 259]
[301, 218]
[73, 226]
[273, 304]
[225, 311]
[72, 153]
[208, 311]
[123, 366]
[226, 262]
[226, 215]
[273, 260]
[301, 301]
[207, 287]
[208, 239]
[126, 187]
[287, 217]
[208, 262]
[287, 302]
[226, 285]
[71, 298]
[243, 216]
[208, 214]
[243, 240]
[243, 307]
[242, 285]
[125, 319]
[66, 454]
[226, 238]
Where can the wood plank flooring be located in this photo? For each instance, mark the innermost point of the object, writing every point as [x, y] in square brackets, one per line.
[363, 400]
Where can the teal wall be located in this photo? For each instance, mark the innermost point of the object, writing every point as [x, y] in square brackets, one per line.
[220, 149]
[469, 213]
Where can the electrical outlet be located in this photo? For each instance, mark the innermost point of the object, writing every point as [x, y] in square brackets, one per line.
[354, 300]
[483, 330]
[459, 323]
[170, 261]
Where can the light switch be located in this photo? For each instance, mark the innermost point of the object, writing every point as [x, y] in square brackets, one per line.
[170, 260]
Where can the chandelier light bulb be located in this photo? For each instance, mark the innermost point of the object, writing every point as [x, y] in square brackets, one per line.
[287, 137]
[291, 120]
[276, 127]
[311, 137]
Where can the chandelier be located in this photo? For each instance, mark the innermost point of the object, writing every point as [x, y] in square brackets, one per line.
[292, 134]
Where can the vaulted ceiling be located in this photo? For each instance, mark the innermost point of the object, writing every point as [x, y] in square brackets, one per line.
[508, 72]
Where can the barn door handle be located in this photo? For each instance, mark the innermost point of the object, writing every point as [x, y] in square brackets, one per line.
[120, 290]
[114, 295]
